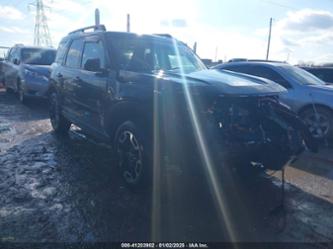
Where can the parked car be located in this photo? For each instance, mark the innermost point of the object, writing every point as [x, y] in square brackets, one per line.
[323, 73]
[27, 69]
[1, 72]
[3, 52]
[307, 95]
[138, 92]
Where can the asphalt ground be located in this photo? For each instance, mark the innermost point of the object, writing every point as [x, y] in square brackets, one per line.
[68, 189]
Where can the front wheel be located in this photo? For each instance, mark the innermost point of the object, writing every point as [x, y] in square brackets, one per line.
[132, 153]
[319, 121]
[59, 123]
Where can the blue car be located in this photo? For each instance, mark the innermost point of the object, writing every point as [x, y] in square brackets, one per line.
[26, 71]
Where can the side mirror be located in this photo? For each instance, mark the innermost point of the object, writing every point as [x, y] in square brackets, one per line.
[93, 65]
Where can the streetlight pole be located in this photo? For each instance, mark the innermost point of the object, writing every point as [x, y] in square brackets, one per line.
[269, 38]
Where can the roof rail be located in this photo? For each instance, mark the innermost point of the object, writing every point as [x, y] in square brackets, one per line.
[237, 60]
[99, 27]
[259, 60]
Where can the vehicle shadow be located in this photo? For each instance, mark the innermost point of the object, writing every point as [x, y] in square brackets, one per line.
[319, 164]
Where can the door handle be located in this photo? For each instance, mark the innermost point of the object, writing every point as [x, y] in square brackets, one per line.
[59, 75]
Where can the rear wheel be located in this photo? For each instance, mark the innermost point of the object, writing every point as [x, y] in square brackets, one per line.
[319, 121]
[59, 123]
[133, 154]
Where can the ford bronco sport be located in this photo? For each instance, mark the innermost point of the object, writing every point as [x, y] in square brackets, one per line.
[138, 92]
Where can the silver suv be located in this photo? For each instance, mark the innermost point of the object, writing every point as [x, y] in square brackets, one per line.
[307, 95]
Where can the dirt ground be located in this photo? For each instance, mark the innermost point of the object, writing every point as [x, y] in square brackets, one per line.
[67, 189]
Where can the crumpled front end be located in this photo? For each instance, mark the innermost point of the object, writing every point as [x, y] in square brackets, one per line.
[257, 129]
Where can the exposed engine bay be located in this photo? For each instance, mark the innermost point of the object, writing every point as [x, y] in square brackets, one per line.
[258, 129]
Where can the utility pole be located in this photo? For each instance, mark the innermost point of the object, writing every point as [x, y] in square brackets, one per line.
[97, 17]
[195, 47]
[269, 38]
[128, 28]
[41, 33]
[216, 52]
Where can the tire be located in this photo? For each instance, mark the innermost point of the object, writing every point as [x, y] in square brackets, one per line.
[134, 158]
[59, 123]
[8, 90]
[320, 125]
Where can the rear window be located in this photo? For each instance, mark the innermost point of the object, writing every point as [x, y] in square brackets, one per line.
[301, 76]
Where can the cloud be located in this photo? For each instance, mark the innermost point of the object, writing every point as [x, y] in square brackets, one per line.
[180, 23]
[11, 13]
[289, 43]
[304, 34]
[308, 20]
[14, 29]
[177, 23]
[69, 6]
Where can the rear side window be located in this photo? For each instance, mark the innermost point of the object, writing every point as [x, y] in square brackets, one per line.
[61, 52]
[93, 57]
[270, 74]
[74, 54]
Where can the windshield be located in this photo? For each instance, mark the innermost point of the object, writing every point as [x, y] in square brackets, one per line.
[37, 56]
[142, 54]
[303, 77]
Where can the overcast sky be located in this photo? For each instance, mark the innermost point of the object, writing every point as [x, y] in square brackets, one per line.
[302, 29]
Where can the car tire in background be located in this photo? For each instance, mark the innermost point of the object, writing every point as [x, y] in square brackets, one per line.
[133, 154]
[59, 123]
[319, 121]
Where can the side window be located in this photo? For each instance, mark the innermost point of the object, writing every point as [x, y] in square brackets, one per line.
[270, 74]
[11, 56]
[16, 55]
[61, 51]
[73, 55]
[93, 57]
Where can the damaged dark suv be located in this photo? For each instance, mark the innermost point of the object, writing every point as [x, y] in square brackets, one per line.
[150, 95]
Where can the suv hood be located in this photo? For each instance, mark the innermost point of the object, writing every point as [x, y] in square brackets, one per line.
[40, 69]
[231, 83]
